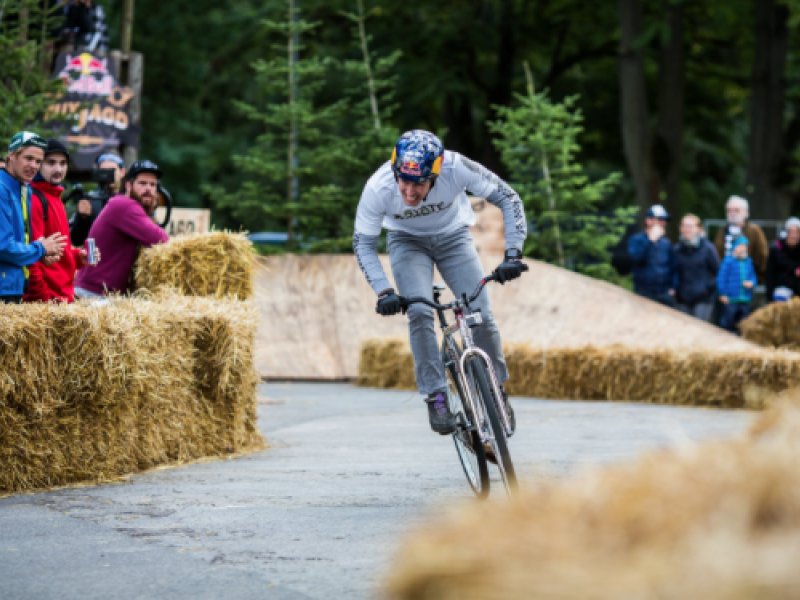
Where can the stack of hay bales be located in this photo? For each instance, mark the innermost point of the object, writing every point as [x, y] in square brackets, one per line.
[92, 392]
[720, 379]
[89, 393]
[775, 325]
[717, 521]
[217, 265]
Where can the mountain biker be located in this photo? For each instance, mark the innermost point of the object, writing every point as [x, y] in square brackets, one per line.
[419, 197]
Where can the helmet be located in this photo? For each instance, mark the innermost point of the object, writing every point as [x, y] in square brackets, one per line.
[417, 156]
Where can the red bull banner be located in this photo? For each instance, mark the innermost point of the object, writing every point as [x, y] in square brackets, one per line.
[94, 106]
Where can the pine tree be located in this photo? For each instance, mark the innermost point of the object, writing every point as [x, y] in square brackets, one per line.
[287, 173]
[26, 89]
[367, 135]
[538, 143]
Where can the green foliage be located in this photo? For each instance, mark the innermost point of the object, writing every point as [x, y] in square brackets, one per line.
[538, 142]
[25, 86]
[287, 172]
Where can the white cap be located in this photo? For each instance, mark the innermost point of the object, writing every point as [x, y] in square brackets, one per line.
[792, 222]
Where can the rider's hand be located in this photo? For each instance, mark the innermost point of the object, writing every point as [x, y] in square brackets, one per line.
[388, 303]
[511, 268]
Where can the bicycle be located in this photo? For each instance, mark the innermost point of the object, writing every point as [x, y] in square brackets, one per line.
[473, 388]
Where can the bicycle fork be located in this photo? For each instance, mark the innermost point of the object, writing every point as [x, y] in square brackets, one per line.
[501, 405]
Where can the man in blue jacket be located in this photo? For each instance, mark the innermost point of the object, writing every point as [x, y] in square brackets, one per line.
[17, 249]
[655, 264]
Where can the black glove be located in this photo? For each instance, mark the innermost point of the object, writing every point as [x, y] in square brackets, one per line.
[388, 303]
[511, 268]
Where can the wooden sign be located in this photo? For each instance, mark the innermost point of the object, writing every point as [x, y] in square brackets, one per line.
[186, 220]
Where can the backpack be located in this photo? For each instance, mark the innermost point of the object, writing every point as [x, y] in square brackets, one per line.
[43, 199]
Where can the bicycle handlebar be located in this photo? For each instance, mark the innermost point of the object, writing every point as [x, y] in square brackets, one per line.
[406, 302]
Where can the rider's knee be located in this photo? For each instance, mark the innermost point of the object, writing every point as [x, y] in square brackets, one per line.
[419, 314]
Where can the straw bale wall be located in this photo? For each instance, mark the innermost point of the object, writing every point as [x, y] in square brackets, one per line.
[720, 379]
[776, 325]
[89, 393]
[217, 265]
[712, 521]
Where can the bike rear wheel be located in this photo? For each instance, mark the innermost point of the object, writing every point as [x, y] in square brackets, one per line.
[493, 424]
[467, 441]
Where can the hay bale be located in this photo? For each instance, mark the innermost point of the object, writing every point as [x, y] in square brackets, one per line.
[775, 325]
[217, 264]
[717, 521]
[90, 393]
[386, 364]
[720, 379]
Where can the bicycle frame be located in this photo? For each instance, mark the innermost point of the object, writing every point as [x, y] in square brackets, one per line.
[462, 315]
[470, 349]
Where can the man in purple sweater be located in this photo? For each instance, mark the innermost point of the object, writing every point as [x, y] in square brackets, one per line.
[120, 230]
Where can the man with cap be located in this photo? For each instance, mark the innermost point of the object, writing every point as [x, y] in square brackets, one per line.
[655, 264]
[55, 282]
[89, 208]
[18, 247]
[124, 226]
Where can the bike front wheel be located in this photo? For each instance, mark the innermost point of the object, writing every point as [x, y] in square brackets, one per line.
[493, 425]
[466, 438]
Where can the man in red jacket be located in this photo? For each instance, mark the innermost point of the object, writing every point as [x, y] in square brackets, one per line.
[52, 282]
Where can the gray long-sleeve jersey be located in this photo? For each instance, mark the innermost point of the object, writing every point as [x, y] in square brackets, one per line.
[445, 209]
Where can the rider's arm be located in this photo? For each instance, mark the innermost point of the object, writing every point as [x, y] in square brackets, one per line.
[369, 222]
[480, 181]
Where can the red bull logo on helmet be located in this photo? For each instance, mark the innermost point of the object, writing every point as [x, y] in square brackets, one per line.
[86, 74]
[411, 167]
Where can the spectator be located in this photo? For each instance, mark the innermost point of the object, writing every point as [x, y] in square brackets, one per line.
[698, 264]
[89, 208]
[2, 162]
[121, 229]
[655, 265]
[17, 250]
[783, 265]
[54, 282]
[738, 211]
[735, 281]
[86, 20]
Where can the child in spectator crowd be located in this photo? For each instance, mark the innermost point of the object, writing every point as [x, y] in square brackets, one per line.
[735, 282]
[54, 282]
[737, 211]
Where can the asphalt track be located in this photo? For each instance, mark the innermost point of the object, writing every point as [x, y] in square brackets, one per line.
[319, 515]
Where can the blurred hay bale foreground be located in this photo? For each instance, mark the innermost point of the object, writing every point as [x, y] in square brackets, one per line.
[714, 521]
[721, 379]
[217, 264]
[777, 325]
[89, 393]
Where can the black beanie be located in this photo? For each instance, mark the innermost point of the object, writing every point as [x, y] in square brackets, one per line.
[56, 146]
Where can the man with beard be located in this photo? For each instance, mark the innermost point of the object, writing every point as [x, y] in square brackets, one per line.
[121, 230]
[53, 282]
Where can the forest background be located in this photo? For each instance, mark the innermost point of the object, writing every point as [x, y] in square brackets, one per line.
[691, 102]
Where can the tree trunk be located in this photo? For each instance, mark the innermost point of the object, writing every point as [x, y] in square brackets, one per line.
[766, 167]
[668, 143]
[635, 126]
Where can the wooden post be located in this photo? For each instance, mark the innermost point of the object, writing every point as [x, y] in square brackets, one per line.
[133, 77]
[126, 27]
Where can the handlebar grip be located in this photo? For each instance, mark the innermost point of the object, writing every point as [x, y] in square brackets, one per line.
[524, 267]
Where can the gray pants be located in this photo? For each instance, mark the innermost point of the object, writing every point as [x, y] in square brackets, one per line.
[701, 310]
[454, 254]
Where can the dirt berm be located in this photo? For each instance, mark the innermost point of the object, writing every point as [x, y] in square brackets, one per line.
[316, 311]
